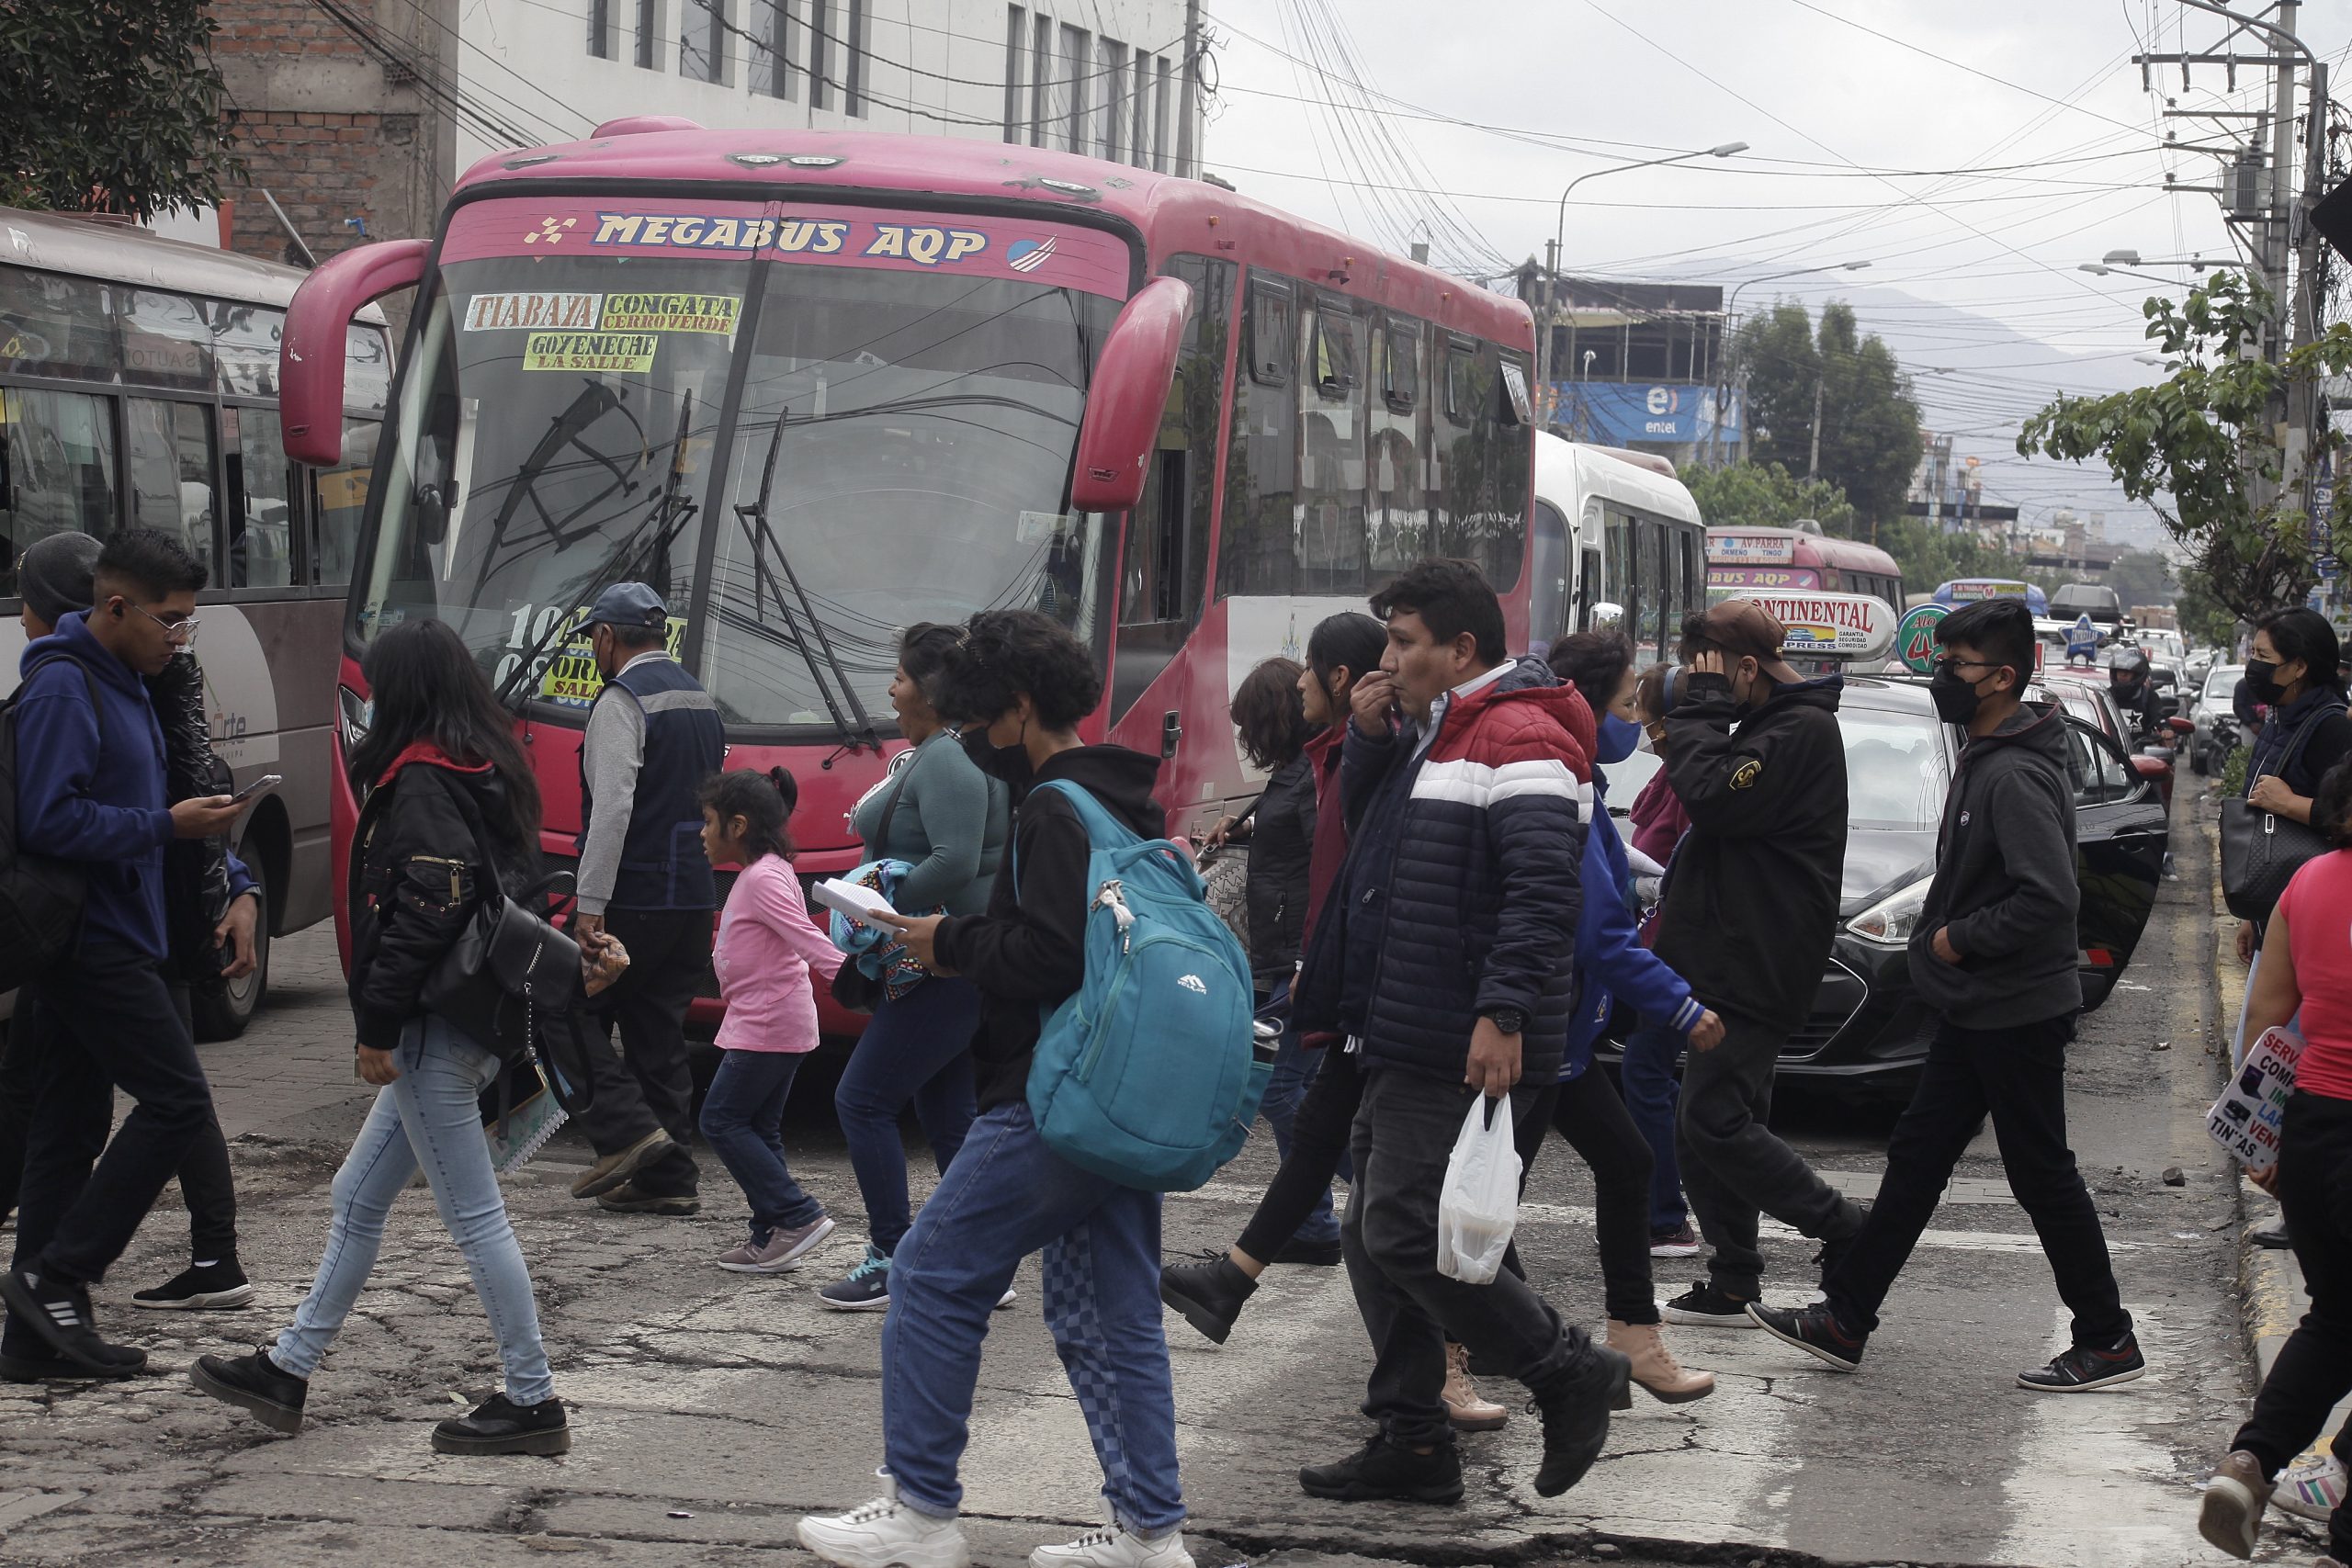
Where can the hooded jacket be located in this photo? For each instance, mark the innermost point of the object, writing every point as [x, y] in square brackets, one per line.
[1611, 962]
[2004, 882]
[1281, 855]
[1461, 891]
[1749, 910]
[90, 782]
[416, 875]
[1028, 953]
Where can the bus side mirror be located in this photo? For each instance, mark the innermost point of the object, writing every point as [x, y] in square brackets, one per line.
[310, 357]
[1128, 396]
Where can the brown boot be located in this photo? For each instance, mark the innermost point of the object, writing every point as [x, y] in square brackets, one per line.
[1465, 1407]
[1655, 1367]
[2230, 1515]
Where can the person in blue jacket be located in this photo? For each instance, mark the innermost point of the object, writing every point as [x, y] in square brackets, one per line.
[1611, 964]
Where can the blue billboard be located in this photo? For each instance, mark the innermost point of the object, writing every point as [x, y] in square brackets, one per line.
[1618, 413]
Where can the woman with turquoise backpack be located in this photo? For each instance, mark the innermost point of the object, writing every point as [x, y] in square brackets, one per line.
[945, 821]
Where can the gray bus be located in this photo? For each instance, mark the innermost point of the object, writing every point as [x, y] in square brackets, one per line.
[139, 389]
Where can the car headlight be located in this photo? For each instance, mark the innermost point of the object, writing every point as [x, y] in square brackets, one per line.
[353, 714]
[1891, 920]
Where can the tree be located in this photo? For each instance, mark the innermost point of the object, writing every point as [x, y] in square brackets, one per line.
[112, 105]
[1766, 495]
[1869, 426]
[2140, 577]
[2202, 447]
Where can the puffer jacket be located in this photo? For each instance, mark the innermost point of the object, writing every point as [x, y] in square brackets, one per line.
[1461, 893]
[1282, 850]
[200, 875]
[416, 875]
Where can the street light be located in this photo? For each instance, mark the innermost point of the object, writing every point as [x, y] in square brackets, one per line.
[1722, 383]
[1560, 231]
[2100, 269]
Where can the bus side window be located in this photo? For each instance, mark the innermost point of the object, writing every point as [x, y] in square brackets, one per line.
[1395, 520]
[1330, 459]
[338, 498]
[1255, 554]
[57, 470]
[260, 532]
[171, 488]
[1165, 568]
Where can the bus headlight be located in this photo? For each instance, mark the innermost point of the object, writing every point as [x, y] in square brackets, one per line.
[1891, 920]
[353, 714]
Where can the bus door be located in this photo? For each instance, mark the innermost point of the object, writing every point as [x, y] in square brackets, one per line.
[1548, 592]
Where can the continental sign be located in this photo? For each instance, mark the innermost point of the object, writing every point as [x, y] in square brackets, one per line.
[1831, 624]
[926, 245]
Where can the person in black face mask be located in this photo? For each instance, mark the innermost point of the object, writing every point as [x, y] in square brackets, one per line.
[2294, 671]
[1994, 953]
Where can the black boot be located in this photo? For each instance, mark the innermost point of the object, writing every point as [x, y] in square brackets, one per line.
[1210, 1294]
[1575, 1406]
[502, 1426]
[256, 1384]
[1382, 1472]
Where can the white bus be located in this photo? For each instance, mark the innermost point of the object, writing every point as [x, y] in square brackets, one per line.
[1614, 529]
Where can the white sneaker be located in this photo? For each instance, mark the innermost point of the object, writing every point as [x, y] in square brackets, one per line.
[1006, 1300]
[886, 1533]
[1115, 1546]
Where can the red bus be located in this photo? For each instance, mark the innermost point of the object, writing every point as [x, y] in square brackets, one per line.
[816, 387]
[1777, 560]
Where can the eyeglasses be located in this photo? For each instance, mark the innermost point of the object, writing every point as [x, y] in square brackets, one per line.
[182, 631]
[1959, 664]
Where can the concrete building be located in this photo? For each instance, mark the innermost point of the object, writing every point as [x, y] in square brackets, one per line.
[1636, 365]
[355, 116]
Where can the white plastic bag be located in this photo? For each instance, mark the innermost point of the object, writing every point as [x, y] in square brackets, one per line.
[1479, 1207]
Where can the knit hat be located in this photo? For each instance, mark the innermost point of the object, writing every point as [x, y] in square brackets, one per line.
[53, 578]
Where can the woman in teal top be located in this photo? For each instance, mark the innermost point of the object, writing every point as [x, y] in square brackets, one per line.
[947, 821]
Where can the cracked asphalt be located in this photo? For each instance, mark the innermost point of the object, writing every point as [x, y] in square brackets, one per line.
[711, 1409]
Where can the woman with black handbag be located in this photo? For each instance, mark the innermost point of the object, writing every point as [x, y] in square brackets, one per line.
[2293, 669]
[451, 819]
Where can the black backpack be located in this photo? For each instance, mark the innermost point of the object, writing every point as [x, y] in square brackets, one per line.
[40, 898]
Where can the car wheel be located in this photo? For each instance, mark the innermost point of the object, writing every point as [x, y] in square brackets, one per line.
[223, 1011]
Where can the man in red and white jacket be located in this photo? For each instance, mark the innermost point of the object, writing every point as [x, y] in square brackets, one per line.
[1445, 956]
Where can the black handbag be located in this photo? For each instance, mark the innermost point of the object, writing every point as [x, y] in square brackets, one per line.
[2261, 850]
[509, 966]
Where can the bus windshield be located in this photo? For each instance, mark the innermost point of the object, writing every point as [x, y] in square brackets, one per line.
[900, 450]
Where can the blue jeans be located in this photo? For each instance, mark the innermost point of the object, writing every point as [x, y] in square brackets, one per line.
[918, 1048]
[1295, 1068]
[1006, 1196]
[742, 1118]
[428, 1116]
[1650, 1094]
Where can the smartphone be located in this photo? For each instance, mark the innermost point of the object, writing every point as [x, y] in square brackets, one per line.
[261, 785]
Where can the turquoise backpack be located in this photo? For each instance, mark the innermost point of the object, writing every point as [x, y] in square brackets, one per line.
[1147, 1076]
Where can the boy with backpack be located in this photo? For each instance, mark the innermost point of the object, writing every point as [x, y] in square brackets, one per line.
[1008, 1194]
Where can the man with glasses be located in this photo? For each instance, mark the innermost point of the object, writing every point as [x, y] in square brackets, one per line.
[1994, 952]
[91, 789]
[1749, 911]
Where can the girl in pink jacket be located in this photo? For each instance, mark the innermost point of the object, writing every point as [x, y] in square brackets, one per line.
[767, 946]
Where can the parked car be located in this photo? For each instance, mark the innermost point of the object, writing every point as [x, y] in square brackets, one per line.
[2218, 731]
[1868, 1029]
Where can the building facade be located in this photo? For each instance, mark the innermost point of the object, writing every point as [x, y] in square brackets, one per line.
[1636, 365]
[355, 117]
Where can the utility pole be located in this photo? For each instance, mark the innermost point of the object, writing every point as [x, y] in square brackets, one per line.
[1550, 308]
[1187, 163]
[1813, 467]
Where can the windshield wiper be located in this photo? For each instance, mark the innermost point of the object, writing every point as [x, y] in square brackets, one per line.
[754, 518]
[595, 401]
[671, 512]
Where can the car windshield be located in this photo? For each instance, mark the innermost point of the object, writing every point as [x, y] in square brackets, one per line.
[1895, 772]
[2223, 681]
[896, 446]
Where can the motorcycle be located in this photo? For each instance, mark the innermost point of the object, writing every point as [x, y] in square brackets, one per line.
[2220, 735]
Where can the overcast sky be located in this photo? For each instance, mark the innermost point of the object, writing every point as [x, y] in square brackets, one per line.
[1851, 140]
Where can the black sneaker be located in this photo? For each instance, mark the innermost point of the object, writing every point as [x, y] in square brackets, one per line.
[1313, 1254]
[865, 1288]
[1576, 1409]
[38, 1363]
[217, 1287]
[628, 1198]
[1703, 1306]
[502, 1426]
[254, 1383]
[2087, 1367]
[60, 1315]
[1209, 1294]
[1382, 1472]
[1814, 1330]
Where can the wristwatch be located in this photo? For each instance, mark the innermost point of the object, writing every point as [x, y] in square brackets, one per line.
[1510, 1020]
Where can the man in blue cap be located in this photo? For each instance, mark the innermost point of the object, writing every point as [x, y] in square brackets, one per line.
[653, 736]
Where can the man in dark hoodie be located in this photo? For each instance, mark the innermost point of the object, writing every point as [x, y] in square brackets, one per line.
[1445, 957]
[1995, 951]
[1008, 1195]
[1750, 912]
[90, 788]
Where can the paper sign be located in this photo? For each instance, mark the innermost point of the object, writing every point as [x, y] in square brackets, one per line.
[2245, 1120]
[631, 353]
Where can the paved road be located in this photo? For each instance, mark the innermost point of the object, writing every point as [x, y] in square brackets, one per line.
[710, 1409]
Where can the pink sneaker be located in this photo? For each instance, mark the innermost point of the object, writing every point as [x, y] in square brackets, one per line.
[781, 1252]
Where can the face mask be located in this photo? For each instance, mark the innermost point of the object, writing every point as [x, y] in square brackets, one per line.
[1954, 696]
[1644, 746]
[1616, 739]
[2261, 679]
